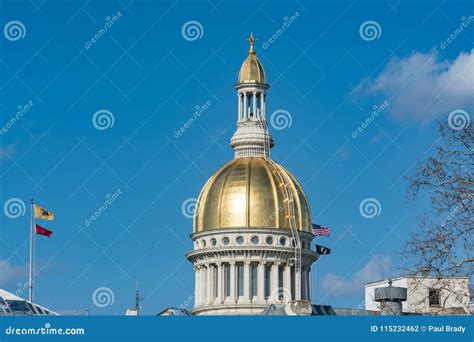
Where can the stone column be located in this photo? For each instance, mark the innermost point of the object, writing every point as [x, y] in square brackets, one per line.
[197, 288]
[245, 106]
[239, 117]
[220, 283]
[274, 282]
[212, 283]
[263, 103]
[310, 284]
[247, 283]
[304, 283]
[233, 287]
[255, 104]
[287, 283]
[261, 281]
[208, 284]
[203, 279]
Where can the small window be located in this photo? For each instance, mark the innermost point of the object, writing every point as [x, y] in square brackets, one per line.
[269, 240]
[283, 241]
[254, 240]
[240, 240]
[226, 241]
[434, 297]
[203, 243]
[213, 242]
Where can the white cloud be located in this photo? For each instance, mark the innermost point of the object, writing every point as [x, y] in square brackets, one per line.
[377, 268]
[9, 272]
[422, 86]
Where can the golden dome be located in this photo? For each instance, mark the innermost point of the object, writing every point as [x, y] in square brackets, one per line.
[248, 193]
[251, 70]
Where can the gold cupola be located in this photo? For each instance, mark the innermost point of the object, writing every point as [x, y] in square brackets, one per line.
[251, 70]
[248, 193]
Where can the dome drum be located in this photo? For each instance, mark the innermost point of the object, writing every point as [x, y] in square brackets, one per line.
[242, 271]
[248, 239]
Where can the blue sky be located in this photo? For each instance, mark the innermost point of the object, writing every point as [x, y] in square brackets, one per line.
[150, 78]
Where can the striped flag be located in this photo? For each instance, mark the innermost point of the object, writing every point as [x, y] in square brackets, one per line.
[320, 231]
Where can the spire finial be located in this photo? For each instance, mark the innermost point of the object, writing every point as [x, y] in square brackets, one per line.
[251, 40]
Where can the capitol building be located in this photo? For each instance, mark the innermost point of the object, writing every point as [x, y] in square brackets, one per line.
[252, 222]
[252, 235]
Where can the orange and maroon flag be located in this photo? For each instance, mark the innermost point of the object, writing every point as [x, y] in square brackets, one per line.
[43, 231]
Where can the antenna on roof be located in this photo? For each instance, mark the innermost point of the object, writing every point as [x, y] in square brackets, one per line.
[137, 299]
[135, 311]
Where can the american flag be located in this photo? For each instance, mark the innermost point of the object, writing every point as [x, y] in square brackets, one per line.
[320, 231]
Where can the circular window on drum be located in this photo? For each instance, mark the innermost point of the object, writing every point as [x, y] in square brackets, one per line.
[269, 240]
[254, 240]
[203, 243]
[213, 242]
[283, 241]
[239, 240]
[225, 241]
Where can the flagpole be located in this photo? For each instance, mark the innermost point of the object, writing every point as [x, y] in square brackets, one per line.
[30, 281]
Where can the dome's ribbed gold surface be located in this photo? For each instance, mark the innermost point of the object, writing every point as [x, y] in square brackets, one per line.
[248, 193]
[251, 70]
